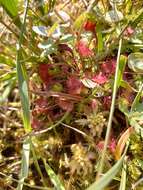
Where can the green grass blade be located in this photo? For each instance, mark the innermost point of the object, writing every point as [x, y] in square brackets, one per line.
[101, 164]
[25, 163]
[108, 177]
[123, 176]
[54, 178]
[11, 7]
[23, 80]
[23, 90]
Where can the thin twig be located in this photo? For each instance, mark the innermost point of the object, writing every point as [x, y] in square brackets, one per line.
[58, 95]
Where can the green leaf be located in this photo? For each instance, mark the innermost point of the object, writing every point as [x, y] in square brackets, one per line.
[122, 64]
[67, 38]
[54, 178]
[135, 62]
[11, 7]
[135, 120]
[53, 28]
[108, 177]
[126, 85]
[80, 20]
[100, 38]
[136, 100]
[123, 105]
[49, 47]
[55, 31]
[46, 44]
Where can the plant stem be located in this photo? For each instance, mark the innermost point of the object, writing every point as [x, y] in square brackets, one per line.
[101, 165]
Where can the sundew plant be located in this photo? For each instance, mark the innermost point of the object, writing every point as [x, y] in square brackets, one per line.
[71, 94]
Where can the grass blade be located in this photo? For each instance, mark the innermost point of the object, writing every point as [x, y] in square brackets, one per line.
[54, 178]
[22, 79]
[23, 90]
[101, 164]
[108, 177]
[11, 7]
[123, 176]
[25, 163]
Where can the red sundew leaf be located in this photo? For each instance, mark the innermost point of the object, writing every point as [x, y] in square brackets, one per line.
[40, 111]
[94, 104]
[74, 85]
[112, 145]
[65, 105]
[83, 49]
[65, 69]
[89, 26]
[109, 66]
[129, 31]
[65, 47]
[100, 145]
[107, 102]
[100, 78]
[41, 102]
[41, 106]
[36, 124]
[43, 72]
